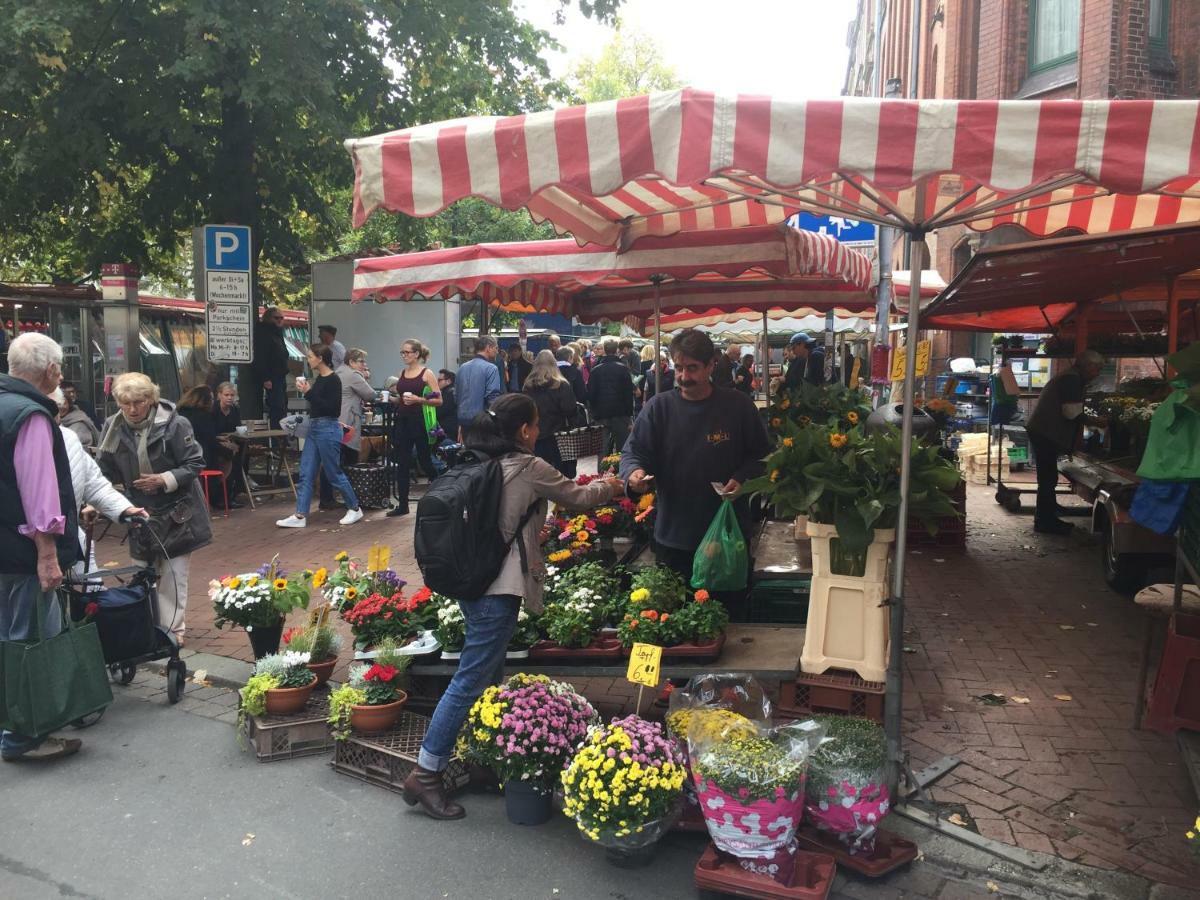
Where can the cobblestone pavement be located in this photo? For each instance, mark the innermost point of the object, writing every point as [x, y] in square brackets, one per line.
[1018, 614]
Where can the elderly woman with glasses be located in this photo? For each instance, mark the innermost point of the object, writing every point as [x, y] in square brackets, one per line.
[150, 449]
[416, 387]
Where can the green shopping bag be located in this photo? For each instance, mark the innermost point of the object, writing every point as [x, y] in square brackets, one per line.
[721, 559]
[1173, 446]
[430, 414]
[46, 684]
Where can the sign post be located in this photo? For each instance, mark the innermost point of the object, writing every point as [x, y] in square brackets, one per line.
[228, 297]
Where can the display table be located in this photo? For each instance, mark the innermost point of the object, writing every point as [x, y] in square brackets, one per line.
[768, 652]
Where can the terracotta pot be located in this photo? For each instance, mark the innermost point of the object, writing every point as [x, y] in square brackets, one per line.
[368, 719]
[284, 701]
[323, 669]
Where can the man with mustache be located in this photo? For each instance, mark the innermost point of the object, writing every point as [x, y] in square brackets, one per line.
[686, 439]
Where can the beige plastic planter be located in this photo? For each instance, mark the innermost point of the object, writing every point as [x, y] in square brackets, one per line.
[847, 625]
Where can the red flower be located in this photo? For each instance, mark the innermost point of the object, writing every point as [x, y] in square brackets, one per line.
[627, 505]
[380, 673]
[650, 614]
[91, 609]
[291, 633]
[591, 524]
[701, 595]
[421, 596]
[605, 519]
[586, 479]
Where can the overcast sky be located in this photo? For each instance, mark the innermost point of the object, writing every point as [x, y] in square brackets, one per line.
[787, 48]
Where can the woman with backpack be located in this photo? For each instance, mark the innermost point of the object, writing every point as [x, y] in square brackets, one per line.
[508, 432]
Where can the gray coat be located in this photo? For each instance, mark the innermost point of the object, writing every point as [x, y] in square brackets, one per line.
[173, 453]
[354, 391]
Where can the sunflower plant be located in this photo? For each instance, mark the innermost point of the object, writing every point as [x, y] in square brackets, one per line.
[263, 598]
[851, 479]
[820, 405]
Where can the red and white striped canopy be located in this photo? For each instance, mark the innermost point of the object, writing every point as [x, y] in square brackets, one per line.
[690, 160]
[754, 268]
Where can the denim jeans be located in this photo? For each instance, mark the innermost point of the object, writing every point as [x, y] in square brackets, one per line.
[491, 621]
[323, 450]
[19, 596]
[349, 458]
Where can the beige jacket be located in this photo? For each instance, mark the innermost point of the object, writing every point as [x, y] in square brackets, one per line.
[527, 479]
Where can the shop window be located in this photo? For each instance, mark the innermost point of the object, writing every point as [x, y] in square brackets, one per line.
[1159, 26]
[1053, 33]
[157, 361]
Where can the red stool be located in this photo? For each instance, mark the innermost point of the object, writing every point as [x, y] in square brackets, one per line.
[215, 473]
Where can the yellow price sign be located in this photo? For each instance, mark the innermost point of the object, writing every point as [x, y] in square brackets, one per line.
[645, 665]
[378, 558]
[924, 348]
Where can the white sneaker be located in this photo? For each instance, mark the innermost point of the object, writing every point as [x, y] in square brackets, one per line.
[292, 522]
[351, 516]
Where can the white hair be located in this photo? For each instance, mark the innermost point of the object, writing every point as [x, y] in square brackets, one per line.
[31, 354]
[59, 397]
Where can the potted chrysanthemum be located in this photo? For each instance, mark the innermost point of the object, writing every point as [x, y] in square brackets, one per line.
[623, 788]
[259, 602]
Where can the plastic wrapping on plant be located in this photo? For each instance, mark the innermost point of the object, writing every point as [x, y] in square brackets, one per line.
[751, 787]
[846, 794]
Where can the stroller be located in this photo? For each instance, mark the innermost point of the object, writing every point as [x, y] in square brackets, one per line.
[126, 615]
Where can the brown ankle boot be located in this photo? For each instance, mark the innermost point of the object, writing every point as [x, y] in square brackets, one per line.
[425, 787]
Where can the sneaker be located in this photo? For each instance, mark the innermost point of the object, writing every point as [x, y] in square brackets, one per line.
[50, 748]
[351, 516]
[292, 522]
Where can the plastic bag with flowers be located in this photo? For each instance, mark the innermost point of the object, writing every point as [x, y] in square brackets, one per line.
[751, 790]
[526, 729]
[401, 618]
[846, 793]
[262, 598]
[623, 786]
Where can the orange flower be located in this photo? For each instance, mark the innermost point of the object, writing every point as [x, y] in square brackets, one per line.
[702, 595]
[633, 625]
[664, 618]
[852, 417]
[837, 441]
[651, 614]
[788, 442]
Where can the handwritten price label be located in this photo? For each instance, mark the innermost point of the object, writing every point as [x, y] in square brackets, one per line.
[378, 557]
[645, 665]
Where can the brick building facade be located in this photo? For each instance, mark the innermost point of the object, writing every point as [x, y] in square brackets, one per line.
[1023, 49]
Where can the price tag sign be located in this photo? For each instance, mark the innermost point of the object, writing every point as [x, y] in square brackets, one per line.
[924, 349]
[645, 665]
[378, 557]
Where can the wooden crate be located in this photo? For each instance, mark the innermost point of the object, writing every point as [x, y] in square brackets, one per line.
[386, 759]
[303, 733]
[833, 691]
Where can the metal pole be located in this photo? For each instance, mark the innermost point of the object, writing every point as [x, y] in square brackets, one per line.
[764, 365]
[883, 300]
[657, 280]
[894, 699]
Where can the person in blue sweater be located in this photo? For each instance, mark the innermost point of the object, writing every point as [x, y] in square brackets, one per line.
[683, 441]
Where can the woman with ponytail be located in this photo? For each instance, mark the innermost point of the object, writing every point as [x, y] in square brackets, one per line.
[508, 431]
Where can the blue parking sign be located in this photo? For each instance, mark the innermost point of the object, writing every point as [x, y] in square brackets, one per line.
[227, 248]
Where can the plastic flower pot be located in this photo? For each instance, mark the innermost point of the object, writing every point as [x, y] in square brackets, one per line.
[527, 802]
[265, 639]
[367, 719]
[285, 701]
[323, 669]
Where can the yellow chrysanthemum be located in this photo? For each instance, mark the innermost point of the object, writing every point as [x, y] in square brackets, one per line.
[320, 577]
[342, 556]
[641, 595]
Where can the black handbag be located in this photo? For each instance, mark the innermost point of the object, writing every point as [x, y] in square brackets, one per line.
[169, 532]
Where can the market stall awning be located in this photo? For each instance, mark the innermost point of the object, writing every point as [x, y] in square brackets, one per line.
[779, 321]
[1039, 286]
[689, 160]
[752, 268]
[749, 331]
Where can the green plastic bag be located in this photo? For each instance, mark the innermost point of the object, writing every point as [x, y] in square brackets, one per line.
[47, 684]
[721, 559]
[430, 414]
[1173, 447]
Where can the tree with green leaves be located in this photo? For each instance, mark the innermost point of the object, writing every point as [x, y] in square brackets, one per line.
[630, 64]
[124, 123]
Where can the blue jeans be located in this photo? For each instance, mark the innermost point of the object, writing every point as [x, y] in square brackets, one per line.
[491, 621]
[323, 450]
[19, 596]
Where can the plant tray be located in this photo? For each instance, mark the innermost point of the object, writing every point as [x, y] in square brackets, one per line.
[424, 645]
[891, 851]
[600, 650]
[453, 656]
[302, 733]
[812, 879]
[833, 691]
[709, 651]
[386, 759]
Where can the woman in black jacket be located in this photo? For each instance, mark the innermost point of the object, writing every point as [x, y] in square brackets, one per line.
[556, 409]
[199, 407]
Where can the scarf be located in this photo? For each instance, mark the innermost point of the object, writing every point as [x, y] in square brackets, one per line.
[141, 431]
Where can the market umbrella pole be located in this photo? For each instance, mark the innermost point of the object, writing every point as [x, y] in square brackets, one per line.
[764, 365]
[656, 280]
[894, 699]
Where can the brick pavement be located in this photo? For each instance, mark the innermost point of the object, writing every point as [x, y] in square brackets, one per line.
[1015, 613]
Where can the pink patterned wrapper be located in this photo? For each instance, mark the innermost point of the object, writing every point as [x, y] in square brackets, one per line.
[850, 812]
[750, 828]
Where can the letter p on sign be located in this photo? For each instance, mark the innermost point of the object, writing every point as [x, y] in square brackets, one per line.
[227, 248]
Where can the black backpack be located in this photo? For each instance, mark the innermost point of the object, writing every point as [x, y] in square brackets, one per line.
[457, 539]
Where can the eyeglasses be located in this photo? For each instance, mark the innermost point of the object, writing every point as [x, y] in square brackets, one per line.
[407, 352]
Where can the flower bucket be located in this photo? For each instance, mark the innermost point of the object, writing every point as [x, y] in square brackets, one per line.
[850, 812]
[378, 718]
[323, 669]
[264, 639]
[750, 828]
[285, 701]
[527, 802]
[847, 627]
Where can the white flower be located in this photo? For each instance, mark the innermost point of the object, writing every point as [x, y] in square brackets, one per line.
[294, 658]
